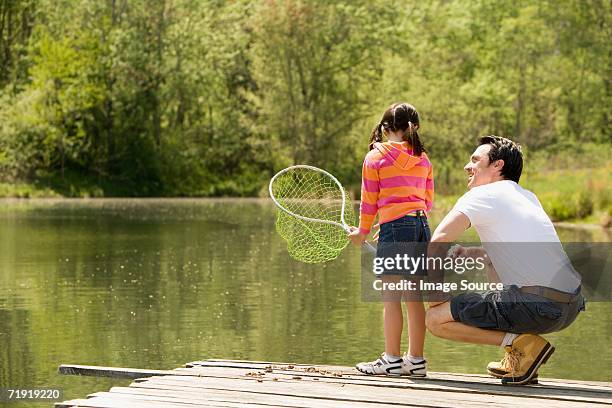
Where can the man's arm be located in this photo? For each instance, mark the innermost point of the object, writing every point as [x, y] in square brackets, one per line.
[451, 227]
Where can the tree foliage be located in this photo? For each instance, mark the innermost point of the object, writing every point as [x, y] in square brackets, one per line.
[185, 97]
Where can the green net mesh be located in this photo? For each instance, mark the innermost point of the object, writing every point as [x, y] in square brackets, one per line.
[311, 194]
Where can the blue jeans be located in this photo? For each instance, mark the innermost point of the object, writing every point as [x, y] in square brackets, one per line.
[409, 236]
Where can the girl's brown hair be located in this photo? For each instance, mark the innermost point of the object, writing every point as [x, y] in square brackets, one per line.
[399, 116]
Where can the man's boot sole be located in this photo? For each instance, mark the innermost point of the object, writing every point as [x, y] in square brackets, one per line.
[533, 381]
[525, 379]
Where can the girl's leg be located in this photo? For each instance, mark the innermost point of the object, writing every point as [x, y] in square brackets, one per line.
[415, 308]
[394, 321]
[415, 312]
[393, 317]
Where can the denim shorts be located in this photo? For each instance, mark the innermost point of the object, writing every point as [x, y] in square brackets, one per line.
[409, 236]
[513, 311]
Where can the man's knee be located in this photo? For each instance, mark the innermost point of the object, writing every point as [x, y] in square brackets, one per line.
[437, 316]
[433, 319]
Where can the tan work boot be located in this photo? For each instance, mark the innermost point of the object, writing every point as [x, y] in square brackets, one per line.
[498, 369]
[522, 360]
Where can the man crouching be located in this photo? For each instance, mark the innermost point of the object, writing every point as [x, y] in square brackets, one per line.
[541, 289]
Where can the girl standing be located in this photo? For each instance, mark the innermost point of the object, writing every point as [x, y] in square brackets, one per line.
[397, 184]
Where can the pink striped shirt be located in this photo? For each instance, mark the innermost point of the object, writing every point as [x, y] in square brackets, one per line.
[394, 183]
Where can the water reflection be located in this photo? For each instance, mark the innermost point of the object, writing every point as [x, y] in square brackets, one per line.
[157, 283]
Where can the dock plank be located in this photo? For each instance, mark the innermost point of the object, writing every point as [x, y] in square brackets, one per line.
[231, 396]
[459, 377]
[557, 393]
[239, 383]
[113, 372]
[123, 402]
[344, 392]
[307, 398]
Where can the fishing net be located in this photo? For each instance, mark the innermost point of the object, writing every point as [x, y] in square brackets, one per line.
[309, 193]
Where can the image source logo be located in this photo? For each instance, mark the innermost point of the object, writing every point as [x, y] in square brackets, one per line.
[435, 271]
[410, 265]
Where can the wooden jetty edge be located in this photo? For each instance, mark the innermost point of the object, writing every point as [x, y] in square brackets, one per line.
[234, 383]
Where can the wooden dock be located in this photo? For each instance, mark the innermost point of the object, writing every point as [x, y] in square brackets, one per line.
[232, 383]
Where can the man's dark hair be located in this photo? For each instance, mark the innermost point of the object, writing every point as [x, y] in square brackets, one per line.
[508, 151]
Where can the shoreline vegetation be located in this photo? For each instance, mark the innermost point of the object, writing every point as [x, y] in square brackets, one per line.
[568, 210]
[588, 223]
[574, 189]
[210, 99]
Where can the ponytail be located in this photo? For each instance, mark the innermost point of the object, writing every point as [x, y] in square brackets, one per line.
[376, 136]
[417, 146]
[411, 136]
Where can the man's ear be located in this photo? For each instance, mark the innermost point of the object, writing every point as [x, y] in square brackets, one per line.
[499, 164]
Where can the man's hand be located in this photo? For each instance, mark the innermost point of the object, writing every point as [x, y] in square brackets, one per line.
[356, 237]
[457, 251]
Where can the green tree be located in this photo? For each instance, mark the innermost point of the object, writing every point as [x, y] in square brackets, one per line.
[316, 66]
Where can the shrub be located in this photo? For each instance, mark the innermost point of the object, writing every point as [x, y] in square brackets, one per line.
[584, 204]
[560, 207]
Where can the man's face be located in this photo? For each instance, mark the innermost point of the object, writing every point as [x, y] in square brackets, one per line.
[479, 170]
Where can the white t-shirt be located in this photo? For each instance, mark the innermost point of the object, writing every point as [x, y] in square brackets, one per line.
[518, 236]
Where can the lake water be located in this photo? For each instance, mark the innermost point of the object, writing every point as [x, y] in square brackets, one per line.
[158, 283]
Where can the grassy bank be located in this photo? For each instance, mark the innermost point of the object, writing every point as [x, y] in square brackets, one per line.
[26, 190]
[71, 184]
[578, 196]
[583, 194]
[568, 195]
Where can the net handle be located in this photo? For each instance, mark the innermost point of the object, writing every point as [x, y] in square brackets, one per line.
[342, 225]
